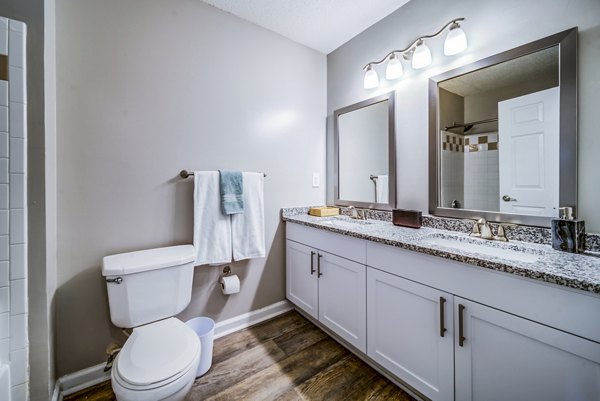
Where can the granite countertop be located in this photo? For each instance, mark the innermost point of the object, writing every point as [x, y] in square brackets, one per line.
[579, 271]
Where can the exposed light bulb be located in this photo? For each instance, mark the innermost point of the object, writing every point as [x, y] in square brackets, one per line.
[371, 78]
[456, 40]
[394, 68]
[421, 56]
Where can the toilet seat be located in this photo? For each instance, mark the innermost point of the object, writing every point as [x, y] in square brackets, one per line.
[157, 354]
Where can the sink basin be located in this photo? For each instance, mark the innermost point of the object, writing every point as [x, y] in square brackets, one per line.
[499, 250]
[344, 221]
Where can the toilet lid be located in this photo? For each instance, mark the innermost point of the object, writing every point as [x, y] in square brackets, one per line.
[157, 351]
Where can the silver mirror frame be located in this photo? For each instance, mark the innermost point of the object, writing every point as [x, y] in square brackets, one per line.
[567, 45]
[389, 97]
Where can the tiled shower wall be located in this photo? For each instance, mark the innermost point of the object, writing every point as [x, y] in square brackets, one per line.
[481, 172]
[13, 207]
[452, 169]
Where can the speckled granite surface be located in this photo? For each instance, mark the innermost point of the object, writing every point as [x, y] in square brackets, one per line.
[579, 271]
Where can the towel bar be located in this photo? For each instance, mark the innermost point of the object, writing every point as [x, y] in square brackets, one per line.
[186, 174]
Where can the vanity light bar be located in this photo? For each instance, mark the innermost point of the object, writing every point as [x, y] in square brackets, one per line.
[456, 42]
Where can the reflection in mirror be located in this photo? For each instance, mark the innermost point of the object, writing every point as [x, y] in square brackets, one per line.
[499, 137]
[364, 150]
[503, 137]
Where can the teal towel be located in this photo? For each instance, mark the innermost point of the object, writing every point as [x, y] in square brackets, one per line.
[232, 192]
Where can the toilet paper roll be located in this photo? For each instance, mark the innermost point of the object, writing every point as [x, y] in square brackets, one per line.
[230, 284]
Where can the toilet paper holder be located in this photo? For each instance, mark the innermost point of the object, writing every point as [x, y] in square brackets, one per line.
[226, 271]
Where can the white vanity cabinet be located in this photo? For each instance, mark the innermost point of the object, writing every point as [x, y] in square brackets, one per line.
[448, 330]
[410, 332]
[506, 357]
[328, 287]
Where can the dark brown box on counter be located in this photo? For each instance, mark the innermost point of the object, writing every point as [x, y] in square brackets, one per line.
[407, 218]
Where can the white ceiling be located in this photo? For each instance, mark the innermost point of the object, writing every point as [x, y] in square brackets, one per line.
[323, 25]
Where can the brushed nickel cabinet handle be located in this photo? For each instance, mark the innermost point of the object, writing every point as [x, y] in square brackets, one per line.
[461, 334]
[312, 262]
[319, 256]
[442, 328]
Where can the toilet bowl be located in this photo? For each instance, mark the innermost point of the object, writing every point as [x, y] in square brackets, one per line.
[158, 362]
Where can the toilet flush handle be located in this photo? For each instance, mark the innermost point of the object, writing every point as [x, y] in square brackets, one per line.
[117, 280]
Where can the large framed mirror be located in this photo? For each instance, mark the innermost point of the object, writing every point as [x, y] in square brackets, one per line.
[503, 135]
[365, 154]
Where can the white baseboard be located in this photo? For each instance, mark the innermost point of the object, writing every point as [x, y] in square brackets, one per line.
[73, 382]
[251, 318]
[91, 376]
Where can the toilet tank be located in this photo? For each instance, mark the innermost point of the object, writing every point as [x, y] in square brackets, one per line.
[150, 285]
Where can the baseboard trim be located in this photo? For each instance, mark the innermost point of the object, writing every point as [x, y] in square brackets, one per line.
[74, 382]
[251, 318]
[91, 376]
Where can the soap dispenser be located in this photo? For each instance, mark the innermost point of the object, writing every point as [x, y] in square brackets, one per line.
[568, 234]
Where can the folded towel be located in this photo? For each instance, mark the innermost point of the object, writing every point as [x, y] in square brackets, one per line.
[212, 229]
[382, 194]
[248, 229]
[232, 192]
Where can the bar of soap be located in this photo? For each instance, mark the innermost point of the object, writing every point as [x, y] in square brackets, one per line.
[322, 211]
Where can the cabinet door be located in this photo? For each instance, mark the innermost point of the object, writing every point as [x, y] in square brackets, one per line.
[505, 357]
[406, 323]
[343, 298]
[301, 277]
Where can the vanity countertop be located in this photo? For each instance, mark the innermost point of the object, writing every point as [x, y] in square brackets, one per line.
[579, 271]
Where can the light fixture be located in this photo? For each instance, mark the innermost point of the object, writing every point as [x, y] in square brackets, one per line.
[371, 78]
[421, 56]
[456, 42]
[394, 68]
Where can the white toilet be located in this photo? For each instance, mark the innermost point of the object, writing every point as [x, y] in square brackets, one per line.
[145, 290]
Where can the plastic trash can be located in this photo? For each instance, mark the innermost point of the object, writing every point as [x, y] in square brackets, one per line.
[205, 329]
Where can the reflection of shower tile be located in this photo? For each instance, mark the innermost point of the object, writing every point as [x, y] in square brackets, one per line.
[482, 139]
[473, 148]
[493, 146]
[467, 141]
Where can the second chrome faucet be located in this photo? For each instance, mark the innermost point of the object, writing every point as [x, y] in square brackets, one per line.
[482, 229]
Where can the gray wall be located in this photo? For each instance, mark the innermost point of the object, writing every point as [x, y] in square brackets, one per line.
[491, 27]
[145, 91]
[40, 294]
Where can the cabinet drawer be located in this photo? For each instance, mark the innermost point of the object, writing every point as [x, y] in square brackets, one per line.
[337, 244]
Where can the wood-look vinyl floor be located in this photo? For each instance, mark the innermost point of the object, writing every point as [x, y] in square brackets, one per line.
[286, 358]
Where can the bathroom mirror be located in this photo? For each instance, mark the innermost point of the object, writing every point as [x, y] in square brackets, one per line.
[503, 134]
[364, 166]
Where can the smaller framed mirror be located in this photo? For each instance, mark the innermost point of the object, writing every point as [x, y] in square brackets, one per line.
[365, 159]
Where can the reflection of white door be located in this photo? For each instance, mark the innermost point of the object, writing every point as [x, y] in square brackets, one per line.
[528, 153]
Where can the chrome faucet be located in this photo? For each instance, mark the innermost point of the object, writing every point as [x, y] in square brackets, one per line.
[482, 229]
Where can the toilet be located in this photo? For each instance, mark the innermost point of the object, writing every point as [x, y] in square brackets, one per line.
[145, 290]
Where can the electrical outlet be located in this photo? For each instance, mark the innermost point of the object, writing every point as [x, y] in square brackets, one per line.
[316, 180]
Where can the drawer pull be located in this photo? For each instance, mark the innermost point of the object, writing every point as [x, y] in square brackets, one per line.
[461, 334]
[312, 262]
[442, 328]
[319, 256]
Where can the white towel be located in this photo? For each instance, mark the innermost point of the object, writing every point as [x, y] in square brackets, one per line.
[382, 185]
[212, 229]
[248, 229]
